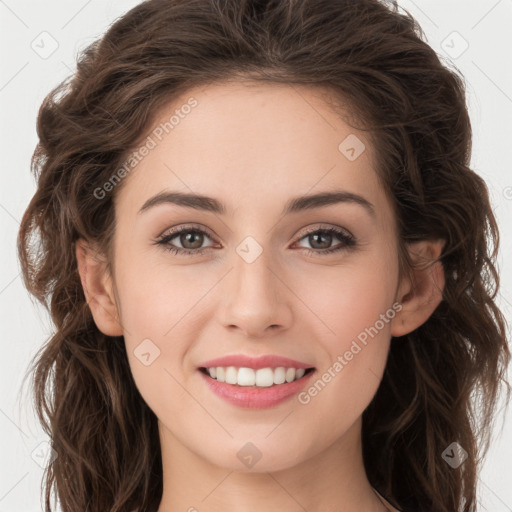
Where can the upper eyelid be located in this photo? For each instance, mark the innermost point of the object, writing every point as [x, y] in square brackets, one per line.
[186, 227]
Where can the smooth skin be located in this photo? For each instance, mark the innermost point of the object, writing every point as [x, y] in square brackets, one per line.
[253, 147]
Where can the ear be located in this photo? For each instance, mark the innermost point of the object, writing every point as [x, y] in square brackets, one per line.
[420, 296]
[98, 289]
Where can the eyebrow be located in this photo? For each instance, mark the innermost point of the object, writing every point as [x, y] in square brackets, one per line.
[210, 204]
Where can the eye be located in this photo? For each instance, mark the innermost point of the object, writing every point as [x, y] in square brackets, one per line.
[190, 238]
[321, 239]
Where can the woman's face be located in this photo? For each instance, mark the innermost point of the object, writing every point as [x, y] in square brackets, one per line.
[258, 279]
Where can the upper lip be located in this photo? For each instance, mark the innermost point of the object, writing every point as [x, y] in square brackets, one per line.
[266, 361]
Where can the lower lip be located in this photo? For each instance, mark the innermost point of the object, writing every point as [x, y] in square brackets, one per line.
[253, 397]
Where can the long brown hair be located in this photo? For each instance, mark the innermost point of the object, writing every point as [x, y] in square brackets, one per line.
[442, 380]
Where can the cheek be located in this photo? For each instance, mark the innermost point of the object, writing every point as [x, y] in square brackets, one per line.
[158, 329]
[158, 312]
[354, 308]
[157, 298]
[349, 298]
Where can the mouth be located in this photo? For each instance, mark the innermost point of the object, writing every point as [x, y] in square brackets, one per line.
[255, 382]
[255, 378]
[251, 388]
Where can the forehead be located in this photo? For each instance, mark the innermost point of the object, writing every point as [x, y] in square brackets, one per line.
[251, 143]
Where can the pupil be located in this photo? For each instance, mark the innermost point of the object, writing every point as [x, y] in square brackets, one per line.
[189, 237]
[327, 236]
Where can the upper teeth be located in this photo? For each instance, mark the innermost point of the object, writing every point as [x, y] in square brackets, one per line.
[263, 377]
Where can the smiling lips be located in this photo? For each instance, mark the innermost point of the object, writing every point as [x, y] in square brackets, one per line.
[263, 377]
[255, 382]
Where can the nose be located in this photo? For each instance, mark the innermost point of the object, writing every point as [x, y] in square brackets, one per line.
[257, 299]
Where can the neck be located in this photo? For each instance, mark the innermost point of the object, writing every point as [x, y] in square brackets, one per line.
[332, 480]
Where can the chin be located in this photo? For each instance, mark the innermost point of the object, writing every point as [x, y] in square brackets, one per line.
[257, 456]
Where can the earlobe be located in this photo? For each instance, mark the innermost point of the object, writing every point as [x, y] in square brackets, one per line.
[421, 296]
[98, 289]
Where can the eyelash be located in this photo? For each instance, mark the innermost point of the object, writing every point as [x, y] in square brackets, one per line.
[348, 241]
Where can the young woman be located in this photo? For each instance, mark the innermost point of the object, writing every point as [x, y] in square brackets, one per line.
[270, 268]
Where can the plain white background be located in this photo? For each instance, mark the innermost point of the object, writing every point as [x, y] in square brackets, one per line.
[39, 45]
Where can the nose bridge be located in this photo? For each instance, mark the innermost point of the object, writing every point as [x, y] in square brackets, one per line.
[255, 297]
